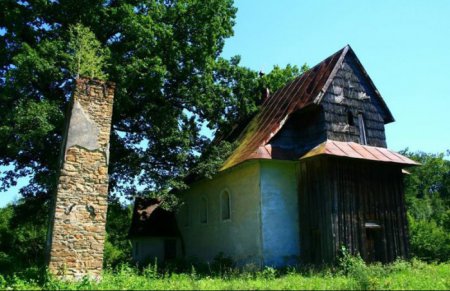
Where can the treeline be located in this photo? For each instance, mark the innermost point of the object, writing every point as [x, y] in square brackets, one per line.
[23, 225]
[23, 234]
[427, 191]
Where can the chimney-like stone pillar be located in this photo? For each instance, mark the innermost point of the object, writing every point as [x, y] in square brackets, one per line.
[77, 230]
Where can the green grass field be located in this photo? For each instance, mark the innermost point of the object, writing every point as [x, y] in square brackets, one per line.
[352, 275]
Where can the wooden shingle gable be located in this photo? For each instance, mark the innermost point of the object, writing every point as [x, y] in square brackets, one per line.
[353, 109]
[309, 89]
[348, 55]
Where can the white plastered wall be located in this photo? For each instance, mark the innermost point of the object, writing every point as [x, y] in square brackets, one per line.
[238, 237]
[279, 204]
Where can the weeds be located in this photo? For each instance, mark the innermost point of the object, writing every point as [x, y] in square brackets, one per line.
[350, 273]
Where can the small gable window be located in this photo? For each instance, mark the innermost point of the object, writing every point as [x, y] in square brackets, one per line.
[204, 210]
[225, 205]
[362, 129]
[350, 118]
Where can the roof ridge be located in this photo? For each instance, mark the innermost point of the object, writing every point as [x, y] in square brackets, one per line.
[297, 94]
[344, 52]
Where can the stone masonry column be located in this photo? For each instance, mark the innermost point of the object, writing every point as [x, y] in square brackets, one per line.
[77, 231]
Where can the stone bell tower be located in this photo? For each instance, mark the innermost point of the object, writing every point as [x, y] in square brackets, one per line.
[77, 231]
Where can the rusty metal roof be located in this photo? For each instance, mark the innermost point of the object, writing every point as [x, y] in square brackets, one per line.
[305, 90]
[357, 151]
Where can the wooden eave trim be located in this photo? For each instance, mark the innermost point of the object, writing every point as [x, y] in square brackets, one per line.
[333, 73]
[390, 117]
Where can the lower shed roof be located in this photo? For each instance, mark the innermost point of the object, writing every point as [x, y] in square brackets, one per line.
[357, 151]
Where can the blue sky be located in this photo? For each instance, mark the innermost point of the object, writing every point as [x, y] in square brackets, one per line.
[404, 46]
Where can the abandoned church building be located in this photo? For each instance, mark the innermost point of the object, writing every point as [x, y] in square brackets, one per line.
[311, 173]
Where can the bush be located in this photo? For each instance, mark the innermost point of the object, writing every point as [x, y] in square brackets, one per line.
[113, 255]
[222, 264]
[268, 273]
[429, 241]
[366, 277]
[2, 283]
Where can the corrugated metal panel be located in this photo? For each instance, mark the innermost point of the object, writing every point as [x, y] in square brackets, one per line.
[357, 151]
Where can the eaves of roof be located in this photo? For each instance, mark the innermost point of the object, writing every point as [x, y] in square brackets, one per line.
[356, 151]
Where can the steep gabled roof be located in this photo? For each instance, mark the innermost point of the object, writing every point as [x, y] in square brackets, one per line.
[307, 89]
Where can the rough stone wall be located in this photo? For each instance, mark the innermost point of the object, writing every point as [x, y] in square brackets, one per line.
[77, 234]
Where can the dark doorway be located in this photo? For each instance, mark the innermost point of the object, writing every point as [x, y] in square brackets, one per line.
[373, 243]
[170, 249]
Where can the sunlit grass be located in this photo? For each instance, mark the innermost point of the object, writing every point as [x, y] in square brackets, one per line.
[353, 275]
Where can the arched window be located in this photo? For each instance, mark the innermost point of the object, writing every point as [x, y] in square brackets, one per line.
[204, 210]
[225, 205]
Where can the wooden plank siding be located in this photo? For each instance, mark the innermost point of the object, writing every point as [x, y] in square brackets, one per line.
[338, 196]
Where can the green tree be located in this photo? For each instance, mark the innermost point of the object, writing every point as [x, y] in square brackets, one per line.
[86, 55]
[23, 229]
[165, 61]
[6, 259]
[427, 191]
[164, 57]
[234, 121]
[117, 245]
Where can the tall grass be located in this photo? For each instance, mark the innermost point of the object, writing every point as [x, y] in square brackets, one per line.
[352, 273]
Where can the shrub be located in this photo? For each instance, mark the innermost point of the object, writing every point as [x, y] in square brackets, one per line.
[2, 283]
[151, 271]
[222, 264]
[366, 277]
[429, 241]
[268, 273]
